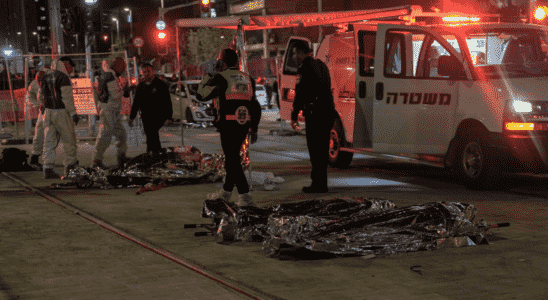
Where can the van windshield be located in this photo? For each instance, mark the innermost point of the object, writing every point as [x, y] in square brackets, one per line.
[508, 53]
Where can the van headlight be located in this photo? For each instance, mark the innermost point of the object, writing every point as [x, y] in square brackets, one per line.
[521, 106]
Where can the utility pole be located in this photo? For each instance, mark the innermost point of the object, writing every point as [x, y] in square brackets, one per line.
[320, 31]
[24, 19]
[57, 45]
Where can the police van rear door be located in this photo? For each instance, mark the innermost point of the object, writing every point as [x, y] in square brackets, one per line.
[415, 106]
[365, 37]
[288, 78]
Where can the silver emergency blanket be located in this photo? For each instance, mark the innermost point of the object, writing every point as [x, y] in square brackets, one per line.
[359, 226]
[173, 165]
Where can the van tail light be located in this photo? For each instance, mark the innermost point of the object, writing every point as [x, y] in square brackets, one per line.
[519, 126]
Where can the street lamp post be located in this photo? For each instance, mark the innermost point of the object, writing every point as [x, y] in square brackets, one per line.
[37, 40]
[117, 32]
[130, 22]
[90, 6]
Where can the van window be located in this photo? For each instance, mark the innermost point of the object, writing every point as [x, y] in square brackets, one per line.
[393, 57]
[415, 54]
[435, 51]
[290, 65]
[366, 51]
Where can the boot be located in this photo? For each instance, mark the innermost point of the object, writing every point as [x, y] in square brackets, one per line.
[70, 167]
[50, 174]
[98, 164]
[34, 163]
[220, 195]
[122, 160]
[315, 189]
[245, 200]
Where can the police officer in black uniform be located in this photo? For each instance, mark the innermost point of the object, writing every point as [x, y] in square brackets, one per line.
[314, 97]
[238, 113]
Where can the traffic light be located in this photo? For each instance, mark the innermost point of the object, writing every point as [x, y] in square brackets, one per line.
[161, 39]
[106, 21]
[93, 20]
[540, 13]
[162, 35]
[104, 43]
[205, 6]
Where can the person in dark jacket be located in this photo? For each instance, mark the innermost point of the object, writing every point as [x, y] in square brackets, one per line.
[238, 113]
[314, 97]
[153, 100]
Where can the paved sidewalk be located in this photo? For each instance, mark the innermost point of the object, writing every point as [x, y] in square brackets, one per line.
[47, 252]
[50, 252]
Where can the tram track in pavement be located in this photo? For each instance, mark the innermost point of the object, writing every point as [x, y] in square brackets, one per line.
[239, 287]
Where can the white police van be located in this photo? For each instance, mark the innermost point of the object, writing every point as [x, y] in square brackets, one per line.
[465, 94]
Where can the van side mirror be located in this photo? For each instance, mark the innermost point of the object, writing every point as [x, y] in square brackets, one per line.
[451, 67]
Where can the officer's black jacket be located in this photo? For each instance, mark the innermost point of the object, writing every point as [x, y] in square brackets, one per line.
[229, 107]
[313, 91]
[153, 100]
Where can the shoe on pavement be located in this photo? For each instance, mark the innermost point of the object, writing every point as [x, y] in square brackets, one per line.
[36, 166]
[222, 195]
[34, 159]
[245, 200]
[122, 160]
[98, 164]
[315, 189]
[34, 163]
[50, 174]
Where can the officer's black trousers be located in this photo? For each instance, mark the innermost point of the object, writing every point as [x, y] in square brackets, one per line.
[318, 128]
[232, 137]
[152, 127]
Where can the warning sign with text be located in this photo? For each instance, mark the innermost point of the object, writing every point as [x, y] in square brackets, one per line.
[83, 96]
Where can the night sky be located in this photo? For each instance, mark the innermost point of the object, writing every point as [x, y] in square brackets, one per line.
[145, 14]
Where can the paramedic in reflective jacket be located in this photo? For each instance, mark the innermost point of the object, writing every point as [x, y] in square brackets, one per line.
[238, 112]
[59, 116]
[314, 97]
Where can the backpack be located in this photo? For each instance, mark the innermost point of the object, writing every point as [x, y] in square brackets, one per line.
[14, 160]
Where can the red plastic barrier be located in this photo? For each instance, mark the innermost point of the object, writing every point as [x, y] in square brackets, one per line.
[6, 109]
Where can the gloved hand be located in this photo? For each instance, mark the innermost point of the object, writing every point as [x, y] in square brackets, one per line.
[295, 125]
[253, 137]
[42, 109]
[75, 119]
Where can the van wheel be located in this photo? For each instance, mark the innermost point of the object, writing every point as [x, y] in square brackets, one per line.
[476, 165]
[338, 158]
[188, 116]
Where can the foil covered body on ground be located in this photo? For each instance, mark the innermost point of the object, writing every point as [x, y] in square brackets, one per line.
[359, 226]
[172, 165]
